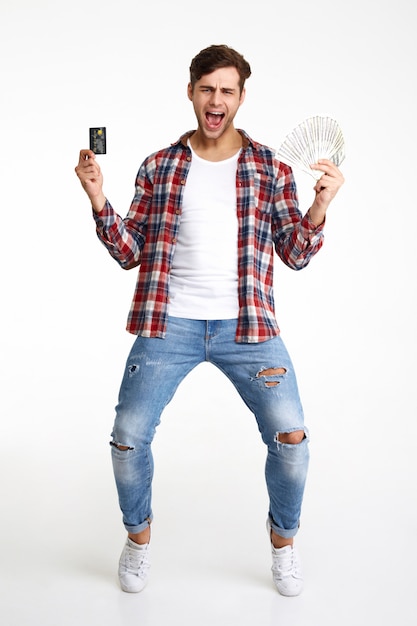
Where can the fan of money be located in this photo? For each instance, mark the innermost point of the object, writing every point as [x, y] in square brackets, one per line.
[315, 138]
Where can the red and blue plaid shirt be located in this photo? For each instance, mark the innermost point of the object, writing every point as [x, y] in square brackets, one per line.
[268, 219]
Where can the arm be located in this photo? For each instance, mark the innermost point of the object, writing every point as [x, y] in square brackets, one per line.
[123, 238]
[297, 239]
[326, 189]
[91, 178]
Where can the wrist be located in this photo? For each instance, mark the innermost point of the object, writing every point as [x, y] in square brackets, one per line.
[98, 203]
[316, 215]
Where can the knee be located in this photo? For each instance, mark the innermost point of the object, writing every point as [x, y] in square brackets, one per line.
[293, 438]
[119, 446]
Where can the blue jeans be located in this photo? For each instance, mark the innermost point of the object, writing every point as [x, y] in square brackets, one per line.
[273, 399]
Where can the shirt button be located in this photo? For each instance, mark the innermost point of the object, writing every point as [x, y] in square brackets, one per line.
[178, 212]
[174, 240]
[183, 182]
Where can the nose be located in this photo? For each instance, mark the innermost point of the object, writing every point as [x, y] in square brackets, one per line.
[215, 96]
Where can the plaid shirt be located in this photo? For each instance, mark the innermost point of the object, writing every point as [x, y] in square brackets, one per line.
[268, 219]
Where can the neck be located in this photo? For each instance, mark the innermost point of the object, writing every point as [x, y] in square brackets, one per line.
[216, 149]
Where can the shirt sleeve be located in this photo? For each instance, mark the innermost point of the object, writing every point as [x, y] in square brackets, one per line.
[296, 238]
[125, 238]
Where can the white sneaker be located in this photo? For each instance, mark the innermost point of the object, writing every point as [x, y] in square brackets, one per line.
[134, 566]
[286, 570]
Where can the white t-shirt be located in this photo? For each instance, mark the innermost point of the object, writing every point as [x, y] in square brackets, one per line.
[204, 273]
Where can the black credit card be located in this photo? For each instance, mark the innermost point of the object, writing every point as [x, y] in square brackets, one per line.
[98, 140]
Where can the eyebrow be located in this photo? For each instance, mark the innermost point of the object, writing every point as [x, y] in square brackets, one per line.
[222, 88]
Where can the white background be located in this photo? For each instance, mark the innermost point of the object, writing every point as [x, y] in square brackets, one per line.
[349, 319]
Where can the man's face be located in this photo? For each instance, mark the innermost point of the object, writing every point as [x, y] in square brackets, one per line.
[216, 98]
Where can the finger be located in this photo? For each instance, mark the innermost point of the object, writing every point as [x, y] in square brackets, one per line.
[326, 180]
[91, 168]
[85, 155]
[318, 187]
[323, 165]
[88, 169]
[330, 167]
[319, 168]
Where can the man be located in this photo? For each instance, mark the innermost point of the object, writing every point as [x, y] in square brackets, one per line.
[207, 214]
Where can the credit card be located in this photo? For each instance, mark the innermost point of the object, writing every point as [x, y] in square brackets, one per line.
[98, 140]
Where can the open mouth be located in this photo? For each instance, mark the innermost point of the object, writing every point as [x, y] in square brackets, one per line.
[214, 119]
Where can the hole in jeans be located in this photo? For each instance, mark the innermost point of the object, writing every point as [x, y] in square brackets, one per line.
[120, 447]
[272, 371]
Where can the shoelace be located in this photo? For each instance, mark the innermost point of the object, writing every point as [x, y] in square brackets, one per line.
[285, 564]
[136, 561]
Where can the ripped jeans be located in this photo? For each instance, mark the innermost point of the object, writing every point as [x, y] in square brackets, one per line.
[263, 375]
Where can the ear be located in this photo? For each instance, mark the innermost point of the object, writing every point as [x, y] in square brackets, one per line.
[242, 96]
[190, 91]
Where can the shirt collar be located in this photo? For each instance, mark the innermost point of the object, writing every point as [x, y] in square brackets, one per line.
[246, 140]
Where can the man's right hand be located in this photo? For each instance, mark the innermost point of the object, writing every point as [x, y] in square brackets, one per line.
[91, 178]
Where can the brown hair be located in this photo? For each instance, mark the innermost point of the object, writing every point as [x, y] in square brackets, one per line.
[215, 57]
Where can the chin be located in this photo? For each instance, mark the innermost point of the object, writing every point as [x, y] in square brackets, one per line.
[211, 133]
